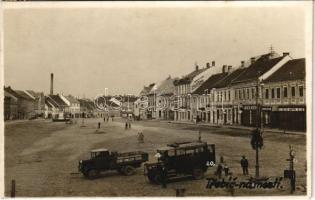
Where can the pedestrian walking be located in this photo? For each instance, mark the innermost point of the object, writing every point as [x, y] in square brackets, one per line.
[99, 125]
[129, 124]
[219, 170]
[140, 137]
[126, 125]
[244, 165]
[226, 169]
[104, 119]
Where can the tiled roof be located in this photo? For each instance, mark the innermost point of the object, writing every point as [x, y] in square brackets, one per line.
[146, 89]
[166, 87]
[49, 101]
[58, 100]
[210, 83]
[187, 78]
[259, 67]
[24, 95]
[292, 70]
[34, 94]
[226, 81]
[12, 92]
[71, 99]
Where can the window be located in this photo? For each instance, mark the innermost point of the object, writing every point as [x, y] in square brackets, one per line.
[285, 92]
[293, 91]
[190, 151]
[247, 93]
[240, 94]
[272, 93]
[224, 95]
[180, 152]
[278, 93]
[171, 152]
[229, 96]
[236, 94]
[267, 93]
[253, 93]
[301, 91]
[244, 93]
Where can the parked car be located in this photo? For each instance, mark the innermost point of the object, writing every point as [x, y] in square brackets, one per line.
[102, 160]
[181, 159]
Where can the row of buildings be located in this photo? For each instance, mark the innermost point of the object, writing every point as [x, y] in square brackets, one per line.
[266, 90]
[27, 104]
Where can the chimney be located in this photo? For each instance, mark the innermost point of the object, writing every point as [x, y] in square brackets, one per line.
[286, 54]
[229, 68]
[51, 84]
[242, 63]
[252, 60]
[197, 67]
[213, 63]
[223, 69]
[208, 65]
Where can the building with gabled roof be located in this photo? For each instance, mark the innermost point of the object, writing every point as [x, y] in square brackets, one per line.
[185, 86]
[25, 103]
[284, 97]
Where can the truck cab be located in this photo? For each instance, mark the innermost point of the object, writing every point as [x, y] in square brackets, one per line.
[182, 159]
[104, 160]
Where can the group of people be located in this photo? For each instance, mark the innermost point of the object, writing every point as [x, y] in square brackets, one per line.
[223, 167]
[127, 125]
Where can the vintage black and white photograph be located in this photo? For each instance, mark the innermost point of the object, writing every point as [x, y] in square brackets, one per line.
[156, 99]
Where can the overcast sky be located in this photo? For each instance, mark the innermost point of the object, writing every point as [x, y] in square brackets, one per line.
[124, 49]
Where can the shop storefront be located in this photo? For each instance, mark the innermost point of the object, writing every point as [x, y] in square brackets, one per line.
[292, 117]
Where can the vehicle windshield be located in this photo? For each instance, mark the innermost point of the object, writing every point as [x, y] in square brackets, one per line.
[99, 154]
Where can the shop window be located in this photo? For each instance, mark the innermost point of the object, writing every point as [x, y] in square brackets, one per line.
[293, 91]
[267, 93]
[272, 93]
[285, 92]
[301, 91]
[278, 93]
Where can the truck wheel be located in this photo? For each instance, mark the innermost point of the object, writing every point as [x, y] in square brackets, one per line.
[158, 179]
[120, 171]
[129, 170]
[198, 174]
[151, 179]
[93, 174]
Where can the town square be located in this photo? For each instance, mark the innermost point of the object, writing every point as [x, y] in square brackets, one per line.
[148, 100]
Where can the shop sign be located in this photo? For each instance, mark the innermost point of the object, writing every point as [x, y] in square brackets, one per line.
[267, 108]
[291, 109]
[250, 107]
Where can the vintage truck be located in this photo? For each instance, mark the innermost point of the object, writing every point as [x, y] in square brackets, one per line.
[102, 160]
[181, 159]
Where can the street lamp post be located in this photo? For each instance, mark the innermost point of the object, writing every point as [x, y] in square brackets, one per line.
[258, 125]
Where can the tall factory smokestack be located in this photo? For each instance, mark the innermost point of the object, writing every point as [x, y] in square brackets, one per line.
[51, 83]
